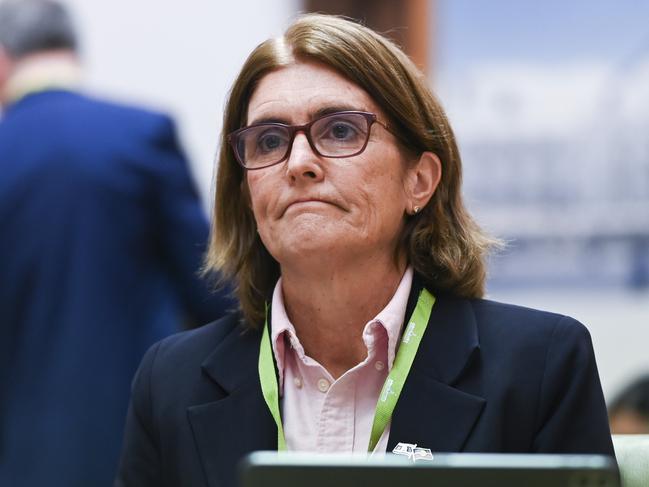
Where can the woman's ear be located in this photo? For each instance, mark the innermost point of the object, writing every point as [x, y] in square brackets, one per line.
[422, 180]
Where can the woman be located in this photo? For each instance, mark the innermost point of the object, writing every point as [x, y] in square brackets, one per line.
[339, 215]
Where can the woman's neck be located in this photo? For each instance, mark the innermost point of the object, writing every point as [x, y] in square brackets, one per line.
[329, 309]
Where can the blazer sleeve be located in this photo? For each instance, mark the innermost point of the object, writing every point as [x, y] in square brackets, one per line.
[140, 462]
[182, 227]
[571, 415]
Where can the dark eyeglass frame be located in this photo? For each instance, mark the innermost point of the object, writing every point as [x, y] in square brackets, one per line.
[292, 130]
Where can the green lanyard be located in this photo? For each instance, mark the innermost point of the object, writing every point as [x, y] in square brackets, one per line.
[392, 387]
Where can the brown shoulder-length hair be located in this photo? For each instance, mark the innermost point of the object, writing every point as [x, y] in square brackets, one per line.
[442, 242]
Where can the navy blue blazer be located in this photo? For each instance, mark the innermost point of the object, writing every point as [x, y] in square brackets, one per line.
[101, 238]
[488, 377]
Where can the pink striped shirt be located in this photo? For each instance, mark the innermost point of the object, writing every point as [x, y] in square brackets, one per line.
[323, 414]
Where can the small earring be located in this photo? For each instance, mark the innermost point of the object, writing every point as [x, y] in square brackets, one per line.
[416, 209]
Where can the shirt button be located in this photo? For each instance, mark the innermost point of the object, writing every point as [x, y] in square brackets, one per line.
[298, 382]
[323, 385]
[378, 365]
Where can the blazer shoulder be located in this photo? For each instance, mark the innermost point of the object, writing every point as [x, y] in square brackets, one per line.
[133, 116]
[125, 109]
[526, 327]
[61, 113]
[509, 316]
[196, 344]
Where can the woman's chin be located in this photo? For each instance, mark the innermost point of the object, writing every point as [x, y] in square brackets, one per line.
[312, 248]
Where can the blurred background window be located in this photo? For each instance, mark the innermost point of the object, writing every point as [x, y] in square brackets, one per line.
[550, 102]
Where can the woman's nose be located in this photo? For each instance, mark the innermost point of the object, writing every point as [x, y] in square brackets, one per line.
[303, 162]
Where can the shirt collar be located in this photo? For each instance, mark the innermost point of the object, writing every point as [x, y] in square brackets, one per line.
[42, 73]
[391, 318]
[393, 315]
[281, 326]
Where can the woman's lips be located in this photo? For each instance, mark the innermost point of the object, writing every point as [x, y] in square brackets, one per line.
[306, 203]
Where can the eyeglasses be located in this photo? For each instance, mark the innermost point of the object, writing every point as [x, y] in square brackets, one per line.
[336, 135]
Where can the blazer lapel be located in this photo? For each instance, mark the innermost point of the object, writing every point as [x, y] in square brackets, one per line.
[436, 409]
[226, 429]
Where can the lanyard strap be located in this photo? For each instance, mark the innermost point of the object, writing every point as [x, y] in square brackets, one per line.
[408, 347]
[392, 387]
[269, 386]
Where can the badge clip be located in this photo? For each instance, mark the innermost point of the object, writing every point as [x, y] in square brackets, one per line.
[413, 452]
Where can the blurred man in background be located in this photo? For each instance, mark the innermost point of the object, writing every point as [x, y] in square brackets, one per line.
[629, 410]
[101, 240]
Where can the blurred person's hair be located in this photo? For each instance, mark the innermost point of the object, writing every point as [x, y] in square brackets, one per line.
[442, 242]
[33, 26]
[633, 398]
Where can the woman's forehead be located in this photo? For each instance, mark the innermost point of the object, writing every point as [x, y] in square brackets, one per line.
[299, 92]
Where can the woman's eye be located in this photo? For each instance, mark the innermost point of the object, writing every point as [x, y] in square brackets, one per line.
[341, 131]
[270, 142]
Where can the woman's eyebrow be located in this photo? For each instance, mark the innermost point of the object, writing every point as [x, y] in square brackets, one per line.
[327, 110]
[320, 112]
[269, 119]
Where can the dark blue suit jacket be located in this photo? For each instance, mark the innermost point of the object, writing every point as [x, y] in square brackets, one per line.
[488, 377]
[101, 238]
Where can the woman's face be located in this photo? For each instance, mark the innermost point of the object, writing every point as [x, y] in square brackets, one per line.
[314, 210]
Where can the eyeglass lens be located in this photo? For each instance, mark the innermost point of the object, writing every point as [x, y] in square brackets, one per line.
[335, 135]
